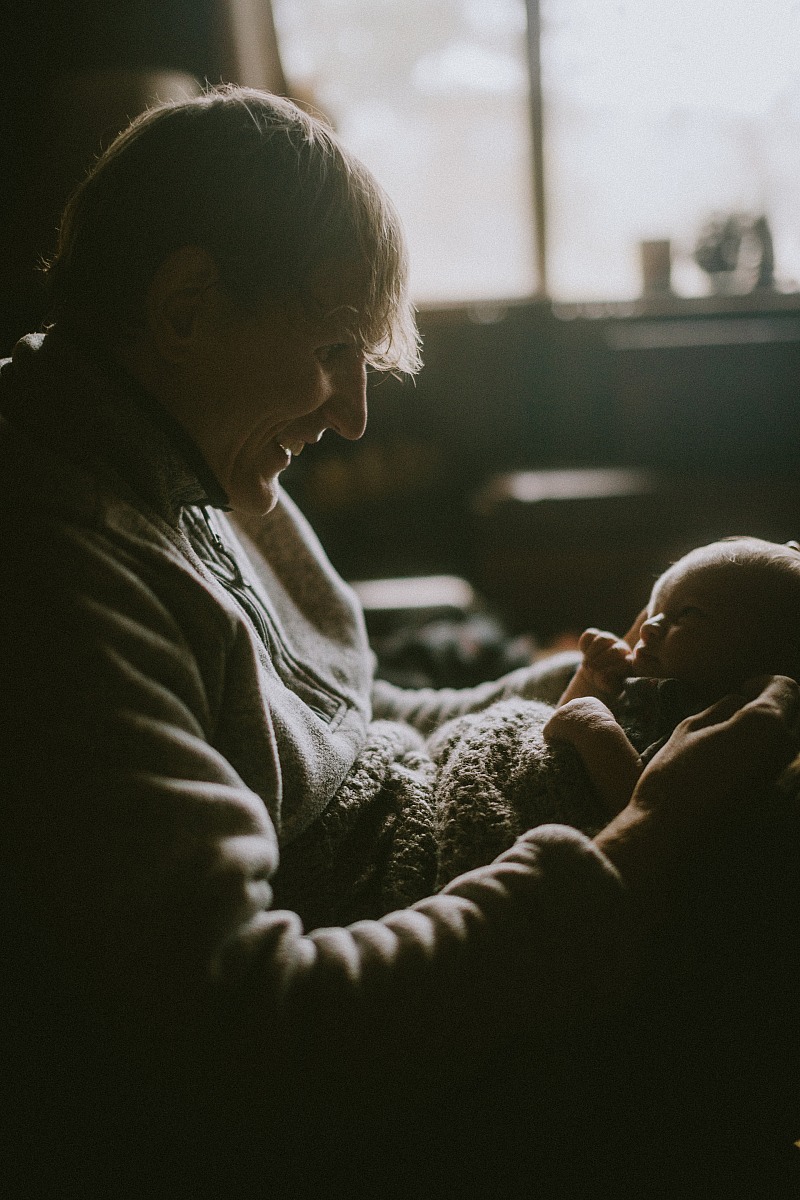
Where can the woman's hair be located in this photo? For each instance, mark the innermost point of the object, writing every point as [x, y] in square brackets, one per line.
[265, 188]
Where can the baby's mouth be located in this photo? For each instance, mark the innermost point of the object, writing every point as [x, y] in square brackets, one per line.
[642, 657]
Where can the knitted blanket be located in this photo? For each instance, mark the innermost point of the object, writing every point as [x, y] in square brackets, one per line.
[414, 813]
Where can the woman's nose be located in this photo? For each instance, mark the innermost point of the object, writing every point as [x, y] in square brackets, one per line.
[346, 410]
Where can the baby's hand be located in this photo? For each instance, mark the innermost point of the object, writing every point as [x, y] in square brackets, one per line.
[578, 721]
[612, 763]
[606, 662]
[606, 656]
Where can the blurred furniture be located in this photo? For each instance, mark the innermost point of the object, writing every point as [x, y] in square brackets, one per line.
[411, 601]
[557, 551]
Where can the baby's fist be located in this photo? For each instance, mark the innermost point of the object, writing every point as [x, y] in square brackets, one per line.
[605, 653]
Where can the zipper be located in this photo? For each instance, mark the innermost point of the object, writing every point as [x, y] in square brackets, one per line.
[226, 570]
[222, 564]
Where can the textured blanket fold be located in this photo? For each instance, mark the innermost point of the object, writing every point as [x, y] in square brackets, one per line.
[414, 813]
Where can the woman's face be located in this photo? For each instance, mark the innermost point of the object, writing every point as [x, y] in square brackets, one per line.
[261, 387]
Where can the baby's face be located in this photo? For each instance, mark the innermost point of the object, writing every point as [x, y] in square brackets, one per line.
[695, 630]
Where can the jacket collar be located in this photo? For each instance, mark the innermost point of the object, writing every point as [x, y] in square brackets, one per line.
[84, 406]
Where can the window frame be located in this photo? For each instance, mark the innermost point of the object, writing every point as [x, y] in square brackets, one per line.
[665, 306]
[669, 305]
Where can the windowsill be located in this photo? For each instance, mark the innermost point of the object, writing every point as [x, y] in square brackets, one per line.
[671, 305]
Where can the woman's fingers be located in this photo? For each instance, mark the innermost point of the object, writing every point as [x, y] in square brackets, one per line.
[716, 713]
[775, 696]
[775, 692]
[728, 752]
[771, 721]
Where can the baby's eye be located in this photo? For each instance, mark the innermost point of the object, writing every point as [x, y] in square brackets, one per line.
[690, 610]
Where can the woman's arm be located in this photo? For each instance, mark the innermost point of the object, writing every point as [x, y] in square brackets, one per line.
[140, 865]
[429, 708]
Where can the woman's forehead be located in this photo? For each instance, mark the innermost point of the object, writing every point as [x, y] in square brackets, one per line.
[333, 301]
[338, 285]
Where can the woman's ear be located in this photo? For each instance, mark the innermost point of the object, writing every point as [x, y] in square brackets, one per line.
[177, 298]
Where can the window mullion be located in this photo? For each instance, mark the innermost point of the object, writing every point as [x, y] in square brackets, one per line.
[537, 139]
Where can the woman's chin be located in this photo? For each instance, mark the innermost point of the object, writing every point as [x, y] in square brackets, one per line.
[255, 498]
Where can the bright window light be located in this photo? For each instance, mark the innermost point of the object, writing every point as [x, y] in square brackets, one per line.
[661, 122]
[658, 118]
[433, 96]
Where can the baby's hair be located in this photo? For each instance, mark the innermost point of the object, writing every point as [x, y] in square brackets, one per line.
[768, 582]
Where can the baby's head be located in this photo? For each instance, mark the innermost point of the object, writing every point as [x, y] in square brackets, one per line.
[722, 614]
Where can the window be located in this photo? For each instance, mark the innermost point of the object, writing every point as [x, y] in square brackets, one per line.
[676, 125]
[433, 96]
[658, 119]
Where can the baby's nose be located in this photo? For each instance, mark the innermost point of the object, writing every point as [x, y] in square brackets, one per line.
[653, 627]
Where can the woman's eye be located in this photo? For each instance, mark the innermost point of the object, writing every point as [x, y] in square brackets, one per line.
[691, 610]
[327, 354]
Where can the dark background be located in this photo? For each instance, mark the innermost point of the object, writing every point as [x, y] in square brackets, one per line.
[703, 395]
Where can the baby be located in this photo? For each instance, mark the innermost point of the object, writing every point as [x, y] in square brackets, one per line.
[720, 615]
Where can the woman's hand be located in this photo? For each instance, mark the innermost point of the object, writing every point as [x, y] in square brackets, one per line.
[716, 765]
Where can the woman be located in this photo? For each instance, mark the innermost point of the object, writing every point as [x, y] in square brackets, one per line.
[185, 693]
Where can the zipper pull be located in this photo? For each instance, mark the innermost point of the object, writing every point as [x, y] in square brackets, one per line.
[223, 551]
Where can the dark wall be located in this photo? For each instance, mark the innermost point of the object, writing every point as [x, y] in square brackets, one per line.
[45, 45]
[49, 37]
